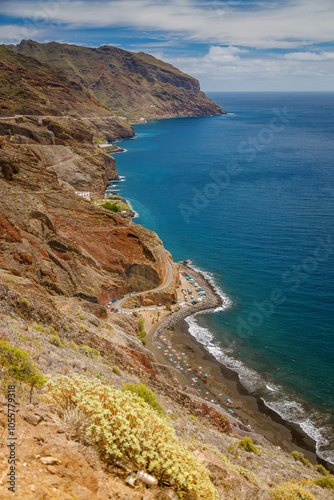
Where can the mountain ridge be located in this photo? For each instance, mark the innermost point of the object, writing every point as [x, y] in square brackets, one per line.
[134, 84]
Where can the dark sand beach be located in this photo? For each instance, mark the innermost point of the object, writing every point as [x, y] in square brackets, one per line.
[175, 346]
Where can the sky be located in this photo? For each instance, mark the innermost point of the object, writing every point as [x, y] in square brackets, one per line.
[229, 45]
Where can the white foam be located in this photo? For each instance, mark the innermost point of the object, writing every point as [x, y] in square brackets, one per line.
[273, 395]
[136, 214]
[270, 388]
[227, 302]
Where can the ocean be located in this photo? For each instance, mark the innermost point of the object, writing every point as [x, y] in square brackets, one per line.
[248, 198]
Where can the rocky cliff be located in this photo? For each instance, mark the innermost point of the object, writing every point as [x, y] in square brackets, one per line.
[128, 83]
[66, 244]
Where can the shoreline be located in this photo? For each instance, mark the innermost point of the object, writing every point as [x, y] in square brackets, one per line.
[248, 408]
[280, 432]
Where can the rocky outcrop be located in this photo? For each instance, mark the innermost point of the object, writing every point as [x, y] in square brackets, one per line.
[131, 84]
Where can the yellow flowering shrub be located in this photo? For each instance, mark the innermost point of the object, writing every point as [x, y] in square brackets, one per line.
[291, 491]
[124, 425]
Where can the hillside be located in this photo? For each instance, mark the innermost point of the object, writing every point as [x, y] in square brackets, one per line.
[30, 87]
[128, 83]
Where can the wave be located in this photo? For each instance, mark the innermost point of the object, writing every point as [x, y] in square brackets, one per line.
[287, 406]
[227, 302]
[136, 214]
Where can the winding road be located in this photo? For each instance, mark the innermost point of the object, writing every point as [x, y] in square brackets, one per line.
[167, 282]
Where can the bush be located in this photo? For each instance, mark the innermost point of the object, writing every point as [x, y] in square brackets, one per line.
[74, 422]
[116, 370]
[73, 345]
[325, 482]
[124, 425]
[247, 444]
[16, 364]
[299, 457]
[141, 332]
[25, 302]
[89, 350]
[144, 393]
[111, 207]
[290, 491]
[321, 469]
[55, 340]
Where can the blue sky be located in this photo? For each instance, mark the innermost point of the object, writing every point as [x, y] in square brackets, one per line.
[228, 45]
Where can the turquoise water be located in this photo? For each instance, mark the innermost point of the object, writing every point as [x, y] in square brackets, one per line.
[249, 198]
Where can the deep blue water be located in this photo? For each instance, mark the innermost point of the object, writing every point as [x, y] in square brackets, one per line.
[249, 197]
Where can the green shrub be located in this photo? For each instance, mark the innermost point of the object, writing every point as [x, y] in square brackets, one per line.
[52, 331]
[124, 425]
[321, 469]
[89, 350]
[55, 340]
[144, 393]
[116, 370]
[141, 332]
[16, 364]
[325, 482]
[25, 302]
[73, 345]
[247, 445]
[299, 457]
[291, 491]
[39, 328]
[111, 207]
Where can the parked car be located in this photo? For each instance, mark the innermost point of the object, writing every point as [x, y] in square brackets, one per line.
[121, 297]
[112, 310]
[113, 300]
[159, 304]
[116, 311]
[137, 305]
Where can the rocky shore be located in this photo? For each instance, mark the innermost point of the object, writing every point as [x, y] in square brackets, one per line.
[248, 409]
[213, 300]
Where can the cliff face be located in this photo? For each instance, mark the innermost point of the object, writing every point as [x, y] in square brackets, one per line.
[66, 244]
[134, 84]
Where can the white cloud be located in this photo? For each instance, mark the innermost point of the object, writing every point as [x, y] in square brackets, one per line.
[310, 56]
[268, 25]
[223, 54]
[13, 33]
[227, 68]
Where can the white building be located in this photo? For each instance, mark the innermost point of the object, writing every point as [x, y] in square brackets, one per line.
[83, 194]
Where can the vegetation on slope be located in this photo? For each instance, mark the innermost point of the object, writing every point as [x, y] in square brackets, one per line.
[123, 424]
[31, 87]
